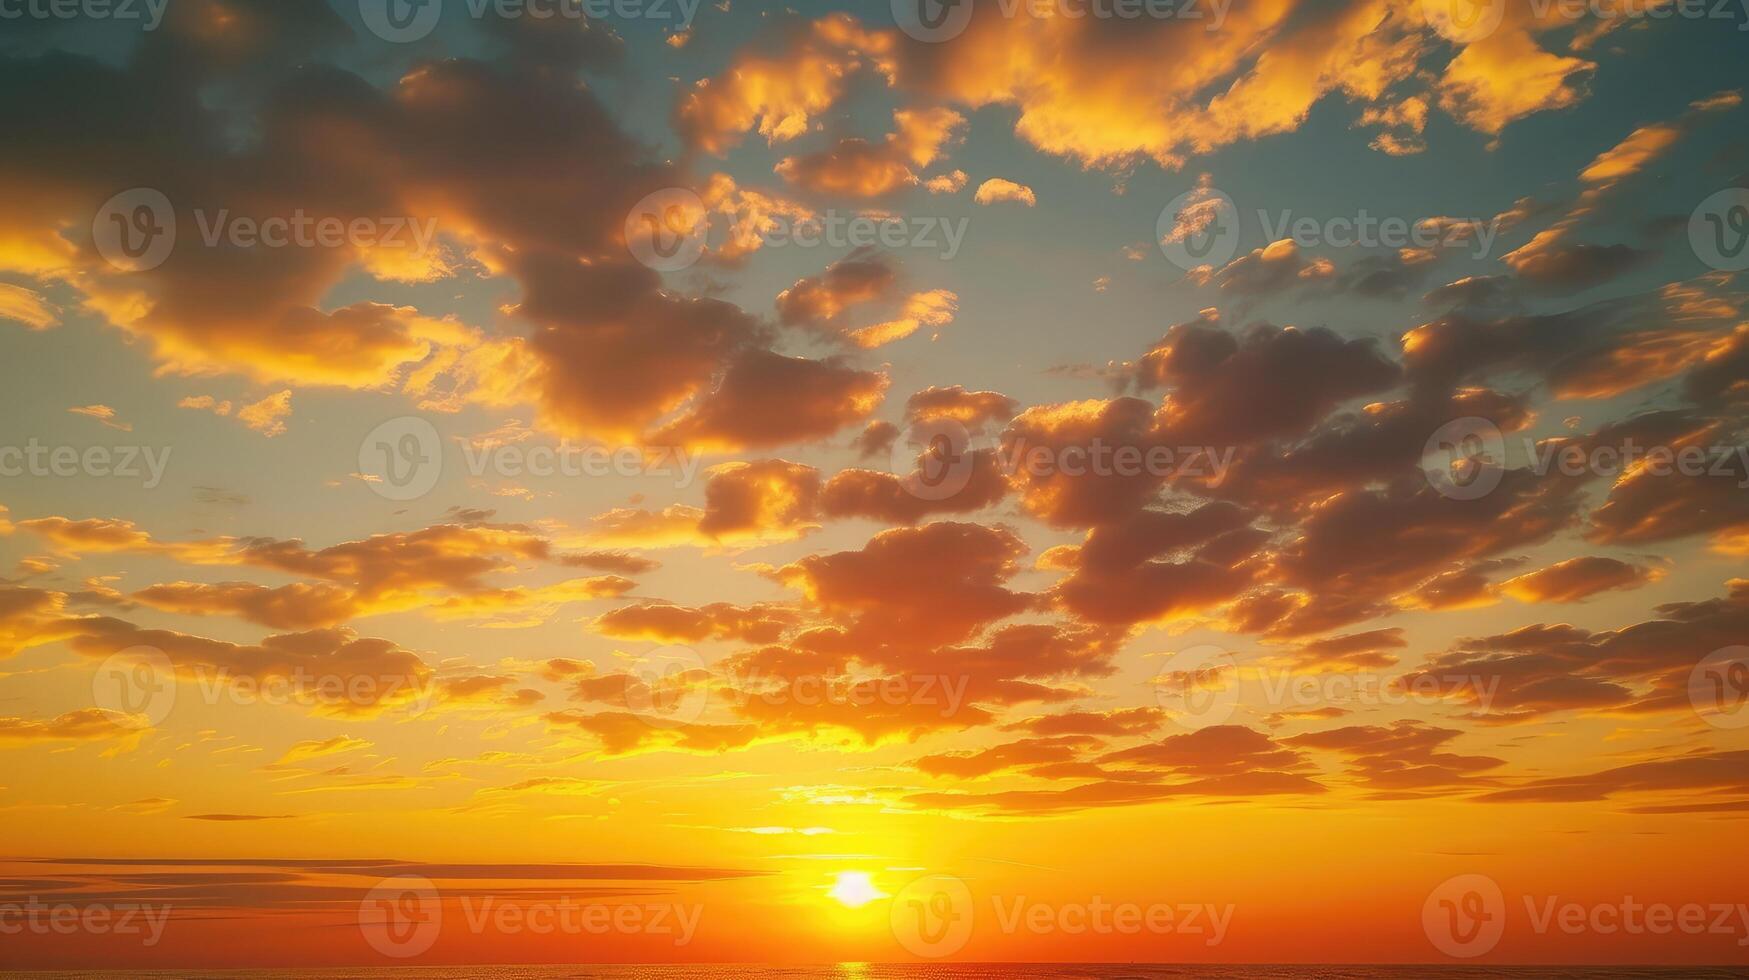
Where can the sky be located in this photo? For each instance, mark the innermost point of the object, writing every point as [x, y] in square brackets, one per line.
[656, 481]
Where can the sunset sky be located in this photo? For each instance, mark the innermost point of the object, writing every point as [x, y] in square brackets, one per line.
[822, 478]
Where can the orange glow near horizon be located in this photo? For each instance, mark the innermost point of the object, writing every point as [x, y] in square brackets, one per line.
[915, 483]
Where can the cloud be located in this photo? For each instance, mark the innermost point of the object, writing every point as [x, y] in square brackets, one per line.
[1405, 759]
[1226, 388]
[768, 499]
[1060, 431]
[860, 169]
[951, 182]
[1371, 650]
[31, 617]
[1013, 755]
[317, 748]
[881, 591]
[206, 403]
[28, 307]
[268, 415]
[1507, 76]
[1153, 565]
[331, 671]
[84, 725]
[1709, 773]
[1596, 351]
[1217, 761]
[876, 439]
[998, 190]
[1578, 579]
[667, 623]
[296, 606]
[767, 399]
[1111, 724]
[779, 94]
[617, 562]
[623, 733]
[863, 276]
[907, 499]
[104, 414]
[931, 309]
[1271, 269]
[972, 409]
[1550, 263]
[1539, 670]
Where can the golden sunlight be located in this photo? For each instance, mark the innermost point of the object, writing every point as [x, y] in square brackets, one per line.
[854, 889]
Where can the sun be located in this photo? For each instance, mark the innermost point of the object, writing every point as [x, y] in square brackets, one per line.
[854, 889]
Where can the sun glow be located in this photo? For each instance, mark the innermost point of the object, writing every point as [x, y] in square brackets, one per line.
[854, 889]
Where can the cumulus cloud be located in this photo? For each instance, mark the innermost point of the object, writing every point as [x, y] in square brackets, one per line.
[998, 190]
